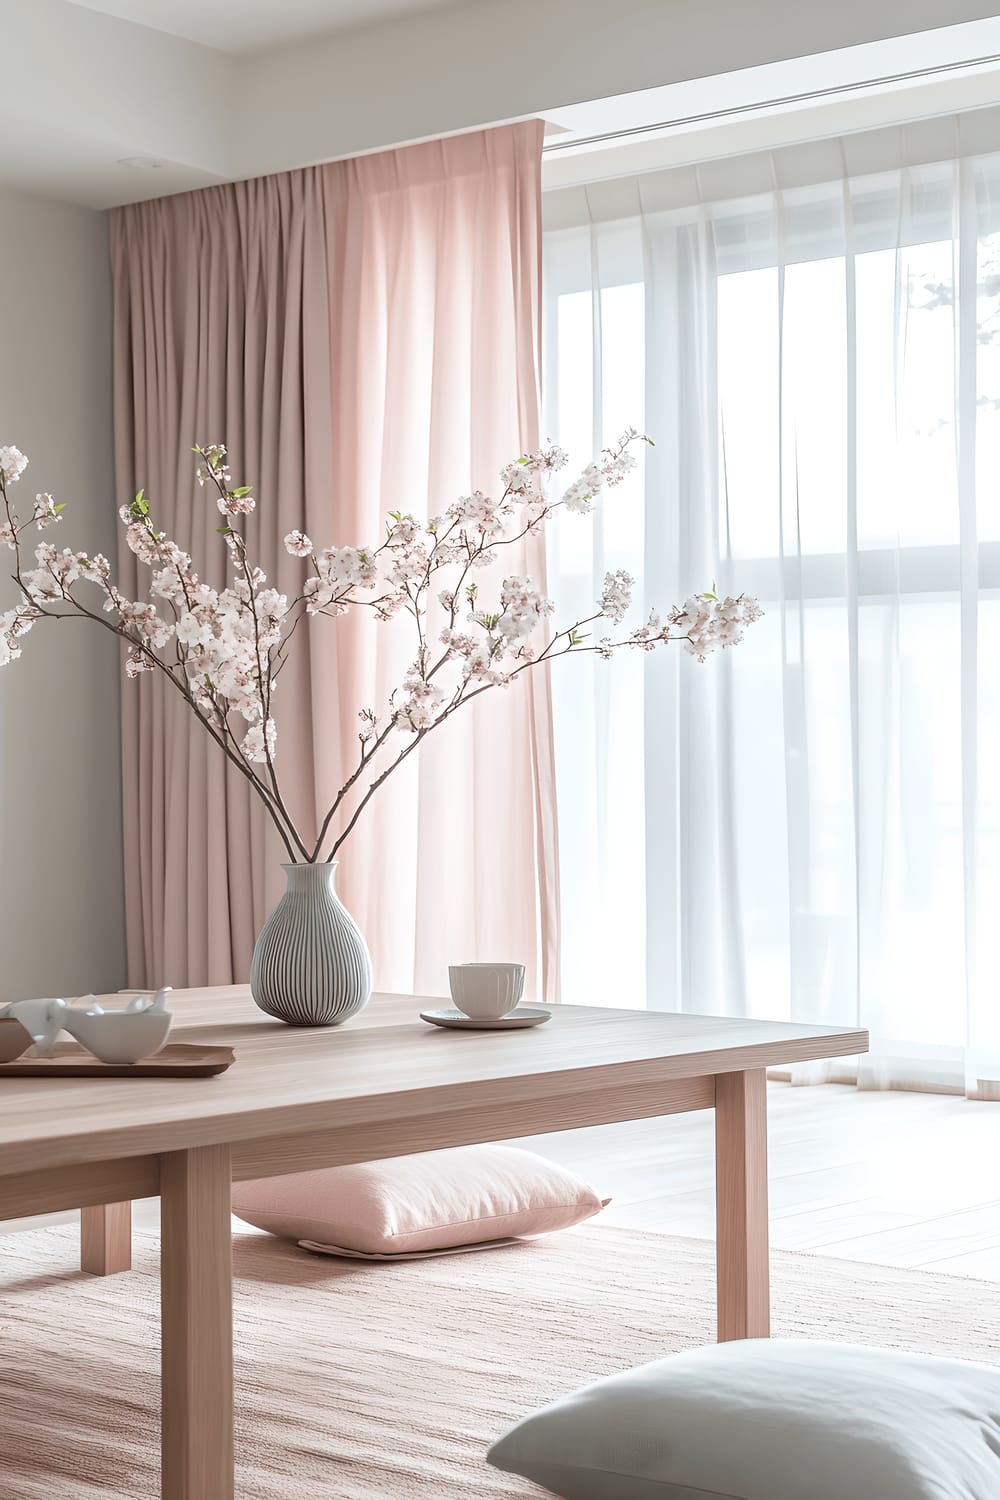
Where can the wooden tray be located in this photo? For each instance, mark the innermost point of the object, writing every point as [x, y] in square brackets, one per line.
[181, 1060]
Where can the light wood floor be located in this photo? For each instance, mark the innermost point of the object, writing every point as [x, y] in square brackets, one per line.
[892, 1178]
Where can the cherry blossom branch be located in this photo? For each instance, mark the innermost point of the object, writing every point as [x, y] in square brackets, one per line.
[228, 646]
[263, 660]
[81, 613]
[369, 748]
[565, 642]
[133, 640]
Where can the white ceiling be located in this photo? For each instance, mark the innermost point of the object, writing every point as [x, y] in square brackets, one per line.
[251, 25]
[115, 101]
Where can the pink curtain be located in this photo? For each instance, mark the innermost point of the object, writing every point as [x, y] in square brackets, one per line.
[364, 338]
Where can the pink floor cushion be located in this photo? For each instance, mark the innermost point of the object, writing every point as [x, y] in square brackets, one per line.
[433, 1203]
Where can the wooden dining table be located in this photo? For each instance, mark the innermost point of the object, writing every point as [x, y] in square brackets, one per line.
[384, 1084]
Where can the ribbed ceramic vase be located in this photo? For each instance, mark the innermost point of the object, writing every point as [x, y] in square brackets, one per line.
[310, 965]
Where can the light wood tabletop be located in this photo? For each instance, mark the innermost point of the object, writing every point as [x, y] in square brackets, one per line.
[384, 1084]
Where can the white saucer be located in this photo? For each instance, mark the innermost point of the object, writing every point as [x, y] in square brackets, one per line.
[524, 1015]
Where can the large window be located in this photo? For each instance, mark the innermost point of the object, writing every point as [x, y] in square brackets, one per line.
[810, 827]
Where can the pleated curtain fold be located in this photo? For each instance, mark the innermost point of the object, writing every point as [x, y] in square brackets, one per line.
[364, 338]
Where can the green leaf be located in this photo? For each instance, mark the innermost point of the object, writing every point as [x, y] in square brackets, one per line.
[60, 508]
[237, 494]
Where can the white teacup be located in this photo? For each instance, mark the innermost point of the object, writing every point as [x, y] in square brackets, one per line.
[486, 991]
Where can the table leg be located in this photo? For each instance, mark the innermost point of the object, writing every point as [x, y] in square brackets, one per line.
[196, 1273]
[106, 1239]
[742, 1271]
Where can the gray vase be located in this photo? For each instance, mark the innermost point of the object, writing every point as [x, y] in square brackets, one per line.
[310, 965]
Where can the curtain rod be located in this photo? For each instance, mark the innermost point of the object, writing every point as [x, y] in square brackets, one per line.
[557, 144]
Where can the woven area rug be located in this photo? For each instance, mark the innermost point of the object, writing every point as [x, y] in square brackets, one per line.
[375, 1382]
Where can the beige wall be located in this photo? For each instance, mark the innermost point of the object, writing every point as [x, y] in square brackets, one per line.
[61, 898]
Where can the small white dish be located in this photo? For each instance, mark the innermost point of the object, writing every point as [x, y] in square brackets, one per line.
[525, 1015]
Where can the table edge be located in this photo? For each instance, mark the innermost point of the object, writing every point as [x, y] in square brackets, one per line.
[77, 1146]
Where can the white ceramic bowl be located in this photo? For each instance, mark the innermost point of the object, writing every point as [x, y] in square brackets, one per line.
[486, 990]
[118, 1036]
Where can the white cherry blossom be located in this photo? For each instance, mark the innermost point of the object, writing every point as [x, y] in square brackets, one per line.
[12, 463]
[14, 625]
[298, 544]
[616, 596]
[47, 512]
[524, 607]
[259, 741]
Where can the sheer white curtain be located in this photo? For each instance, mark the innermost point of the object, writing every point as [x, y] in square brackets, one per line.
[808, 827]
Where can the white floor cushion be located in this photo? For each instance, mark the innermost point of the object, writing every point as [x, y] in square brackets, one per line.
[765, 1420]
